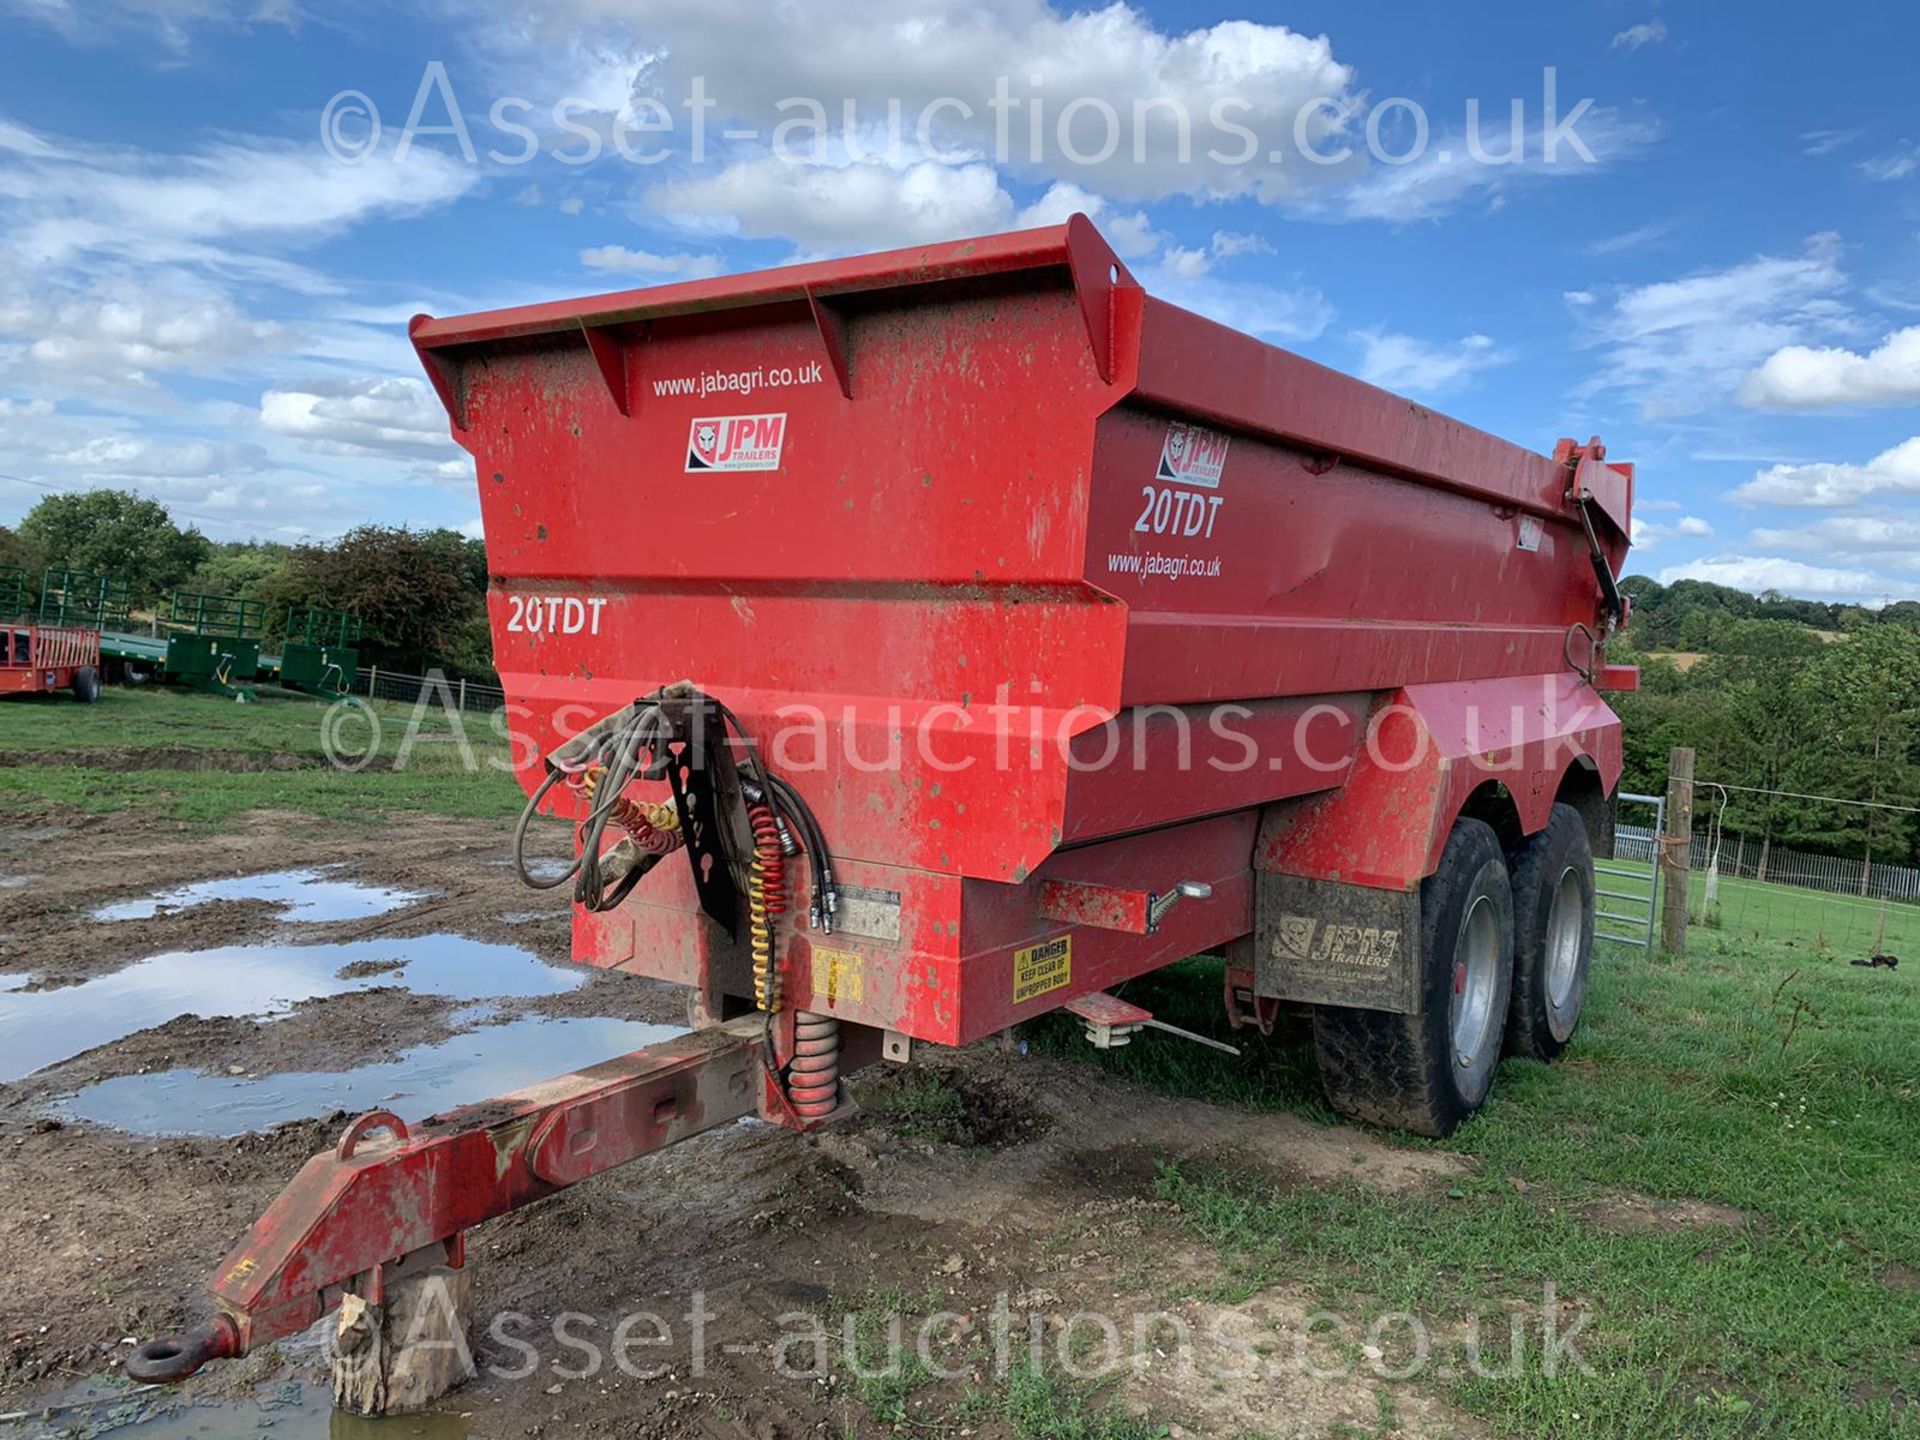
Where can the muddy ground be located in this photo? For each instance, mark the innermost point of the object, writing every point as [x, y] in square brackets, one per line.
[1036, 1186]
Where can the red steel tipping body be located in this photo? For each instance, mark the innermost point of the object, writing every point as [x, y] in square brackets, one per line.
[925, 520]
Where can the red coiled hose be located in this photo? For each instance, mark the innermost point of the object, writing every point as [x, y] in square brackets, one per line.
[813, 1080]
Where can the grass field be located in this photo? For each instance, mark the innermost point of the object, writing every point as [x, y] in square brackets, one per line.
[199, 758]
[1724, 1170]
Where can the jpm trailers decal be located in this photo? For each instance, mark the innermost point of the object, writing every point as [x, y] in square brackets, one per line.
[736, 442]
[1178, 506]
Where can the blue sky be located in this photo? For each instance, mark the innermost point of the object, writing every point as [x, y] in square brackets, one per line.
[204, 300]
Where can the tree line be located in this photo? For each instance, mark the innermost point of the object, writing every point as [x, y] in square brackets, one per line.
[1782, 695]
[420, 594]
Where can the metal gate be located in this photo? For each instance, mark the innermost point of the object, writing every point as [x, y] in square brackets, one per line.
[1627, 896]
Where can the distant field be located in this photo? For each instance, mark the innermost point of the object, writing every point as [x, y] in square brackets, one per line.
[201, 758]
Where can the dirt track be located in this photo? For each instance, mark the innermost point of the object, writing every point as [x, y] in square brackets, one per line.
[1041, 1191]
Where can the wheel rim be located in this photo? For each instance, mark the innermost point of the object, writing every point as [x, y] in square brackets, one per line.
[1566, 927]
[1476, 978]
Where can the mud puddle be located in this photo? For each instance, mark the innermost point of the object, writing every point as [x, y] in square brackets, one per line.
[474, 1065]
[540, 867]
[293, 1411]
[312, 896]
[42, 1027]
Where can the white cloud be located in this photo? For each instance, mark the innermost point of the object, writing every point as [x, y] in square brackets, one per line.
[1683, 345]
[1229, 243]
[120, 457]
[66, 200]
[1150, 113]
[1187, 264]
[1757, 574]
[1132, 234]
[826, 209]
[1635, 239]
[124, 332]
[388, 417]
[1693, 525]
[1800, 376]
[1414, 366]
[1580, 299]
[752, 56]
[1896, 164]
[1893, 472]
[1879, 538]
[169, 22]
[1825, 142]
[1651, 32]
[617, 259]
[1191, 262]
[1446, 175]
[1288, 314]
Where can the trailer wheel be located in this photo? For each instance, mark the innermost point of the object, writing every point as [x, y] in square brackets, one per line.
[86, 684]
[1428, 1072]
[1553, 935]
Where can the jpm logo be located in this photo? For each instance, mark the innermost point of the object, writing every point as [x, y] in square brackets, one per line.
[736, 442]
[1191, 455]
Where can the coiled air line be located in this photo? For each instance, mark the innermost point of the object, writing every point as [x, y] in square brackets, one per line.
[781, 825]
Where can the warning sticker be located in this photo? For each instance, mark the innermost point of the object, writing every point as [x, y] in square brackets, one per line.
[1043, 967]
[1191, 455]
[838, 974]
[736, 442]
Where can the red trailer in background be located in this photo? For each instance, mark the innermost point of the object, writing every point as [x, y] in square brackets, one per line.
[43, 658]
[988, 632]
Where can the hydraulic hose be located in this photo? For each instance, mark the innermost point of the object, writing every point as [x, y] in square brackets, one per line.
[766, 903]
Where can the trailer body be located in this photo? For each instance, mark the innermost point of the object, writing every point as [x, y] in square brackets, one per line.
[948, 528]
[1085, 632]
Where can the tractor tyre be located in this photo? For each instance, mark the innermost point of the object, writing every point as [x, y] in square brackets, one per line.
[86, 685]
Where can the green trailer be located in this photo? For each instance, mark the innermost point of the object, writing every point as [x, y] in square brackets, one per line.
[82, 599]
[321, 655]
[215, 643]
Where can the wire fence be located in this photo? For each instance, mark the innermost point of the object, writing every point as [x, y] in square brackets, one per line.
[1810, 902]
[1817, 921]
[1746, 858]
[378, 683]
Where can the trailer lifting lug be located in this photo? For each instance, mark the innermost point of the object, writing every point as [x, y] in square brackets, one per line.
[1159, 905]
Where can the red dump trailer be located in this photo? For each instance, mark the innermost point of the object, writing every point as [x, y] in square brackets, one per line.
[986, 633]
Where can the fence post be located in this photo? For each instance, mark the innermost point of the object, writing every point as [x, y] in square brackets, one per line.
[463, 695]
[373, 680]
[1675, 845]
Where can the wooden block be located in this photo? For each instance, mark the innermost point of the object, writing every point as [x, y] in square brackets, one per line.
[404, 1355]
